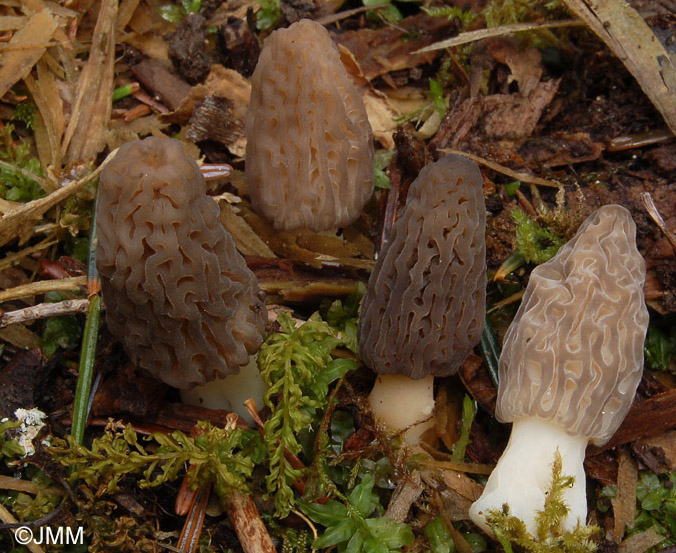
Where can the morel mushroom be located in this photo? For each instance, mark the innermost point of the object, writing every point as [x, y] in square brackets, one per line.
[178, 295]
[309, 154]
[571, 361]
[424, 308]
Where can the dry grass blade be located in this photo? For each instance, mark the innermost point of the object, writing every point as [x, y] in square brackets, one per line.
[19, 221]
[631, 40]
[26, 48]
[473, 36]
[85, 134]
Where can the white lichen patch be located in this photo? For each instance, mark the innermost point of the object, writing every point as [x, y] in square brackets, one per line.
[32, 421]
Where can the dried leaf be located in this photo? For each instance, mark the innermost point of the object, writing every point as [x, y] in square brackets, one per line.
[48, 100]
[26, 48]
[86, 131]
[246, 240]
[525, 65]
[12, 22]
[626, 34]
[380, 51]
[216, 110]
[379, 110]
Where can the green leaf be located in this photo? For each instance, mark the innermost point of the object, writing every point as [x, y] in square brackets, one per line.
[334, 535]
[468, 413]
[436, 94]
[355, 543]
[660, 347]
[171, 13]
[268, 14]
[512, 187]
[60, 332]
[362, 497]
[328, 514]
[390, 533]
[439, 536]
[191, 6]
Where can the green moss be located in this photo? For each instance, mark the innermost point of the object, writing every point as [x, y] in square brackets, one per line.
[551, 538]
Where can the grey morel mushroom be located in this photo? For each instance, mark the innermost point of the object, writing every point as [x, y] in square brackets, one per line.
[309, 155]
[178, 295]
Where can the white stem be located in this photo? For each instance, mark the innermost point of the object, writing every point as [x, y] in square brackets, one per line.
[400, 402]
[524, 474]
[231, 392]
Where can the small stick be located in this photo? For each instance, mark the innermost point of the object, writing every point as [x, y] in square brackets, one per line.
[656, 216]
[246, 520]
[43, 311]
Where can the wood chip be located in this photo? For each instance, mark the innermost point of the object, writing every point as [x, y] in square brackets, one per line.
[515, 115]
[624, 502]
[640, 543]
[406, 493]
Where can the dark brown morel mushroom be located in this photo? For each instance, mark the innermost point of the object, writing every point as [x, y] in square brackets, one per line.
[309, 154]
[178, 295]
[425, 305]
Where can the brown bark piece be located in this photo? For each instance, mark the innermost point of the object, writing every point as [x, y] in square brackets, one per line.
[515, 115]
[19, 379]
[649, 418]
[156, 78]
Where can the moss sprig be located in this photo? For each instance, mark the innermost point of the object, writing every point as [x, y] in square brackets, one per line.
[551, 538]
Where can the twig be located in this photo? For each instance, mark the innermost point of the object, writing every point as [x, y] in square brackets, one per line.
[43, 311]
[519, 175]
[42, 287]
[657, 217]
[329, 19]
[246, 520]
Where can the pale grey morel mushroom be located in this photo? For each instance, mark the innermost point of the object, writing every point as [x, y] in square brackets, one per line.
[570, 364]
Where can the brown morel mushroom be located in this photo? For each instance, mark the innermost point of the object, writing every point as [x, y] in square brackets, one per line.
[178, 295]
[570, 364]
[309, 154]
[424, 308]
